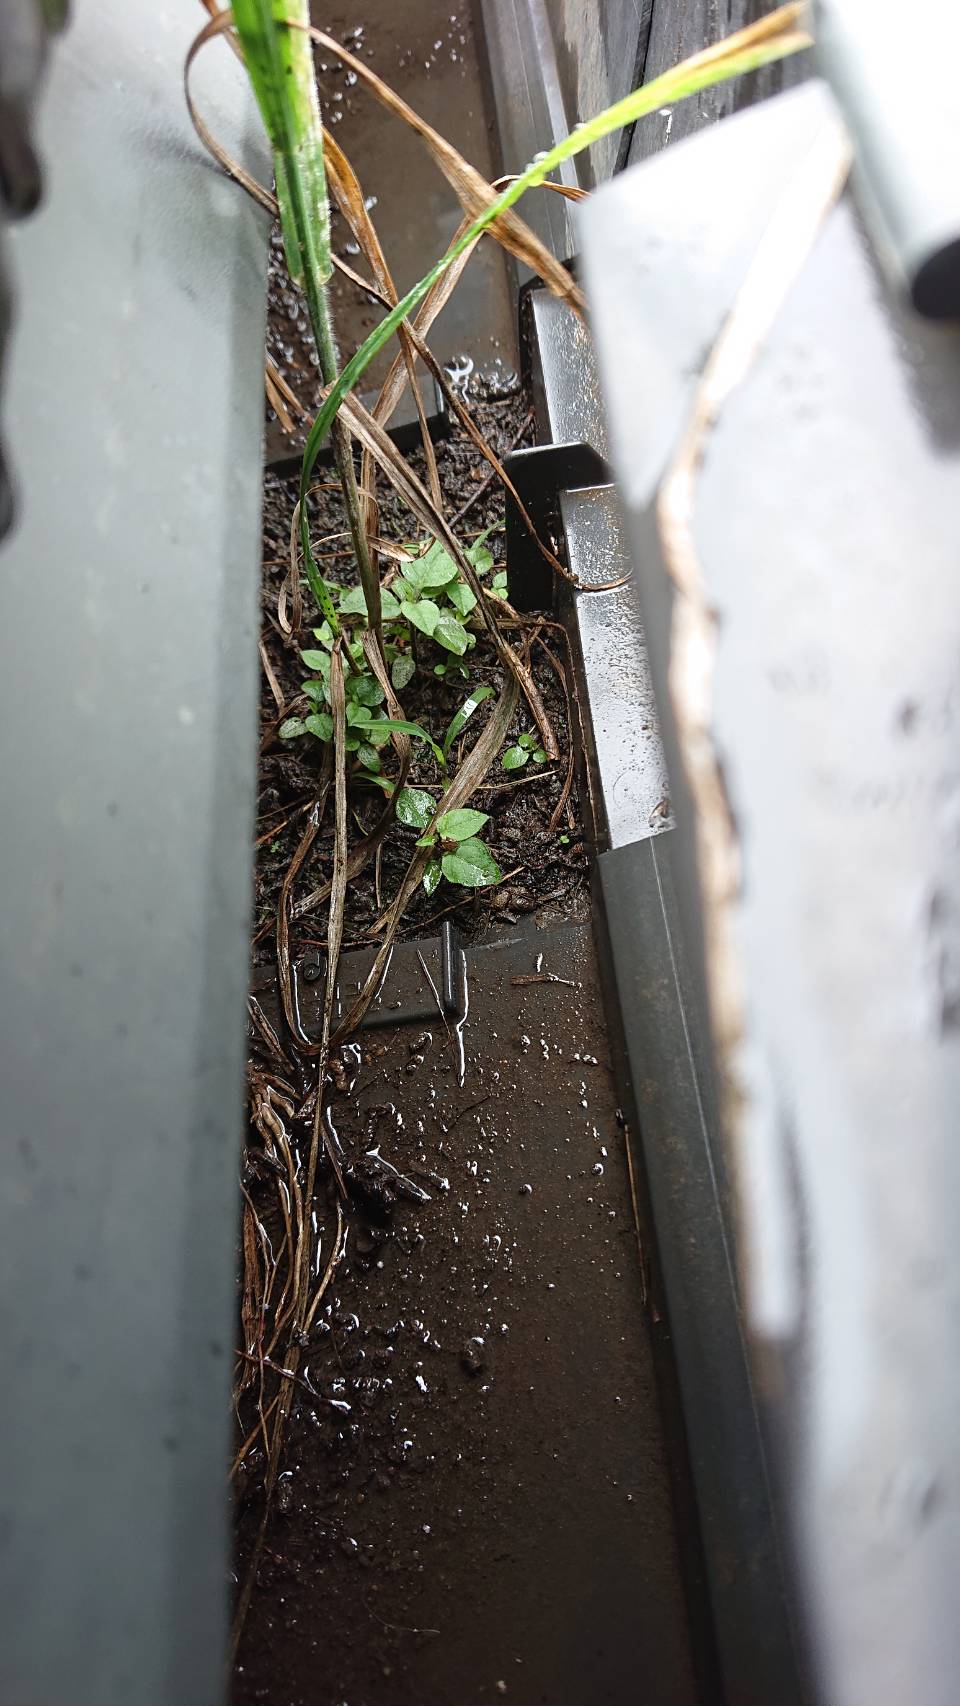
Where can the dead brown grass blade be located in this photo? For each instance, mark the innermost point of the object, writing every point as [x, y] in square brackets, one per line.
[219, 25]
[275, 395]
[470, 186]
[350, 199]
[338, 898]
[284, 969]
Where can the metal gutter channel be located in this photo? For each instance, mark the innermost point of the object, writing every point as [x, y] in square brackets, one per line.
[653, 987]
[654, 996]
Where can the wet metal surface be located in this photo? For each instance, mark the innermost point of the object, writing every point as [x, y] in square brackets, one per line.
[571, 397]
[634, 792]
[627, 778]
[424, 978]
[478, 1505]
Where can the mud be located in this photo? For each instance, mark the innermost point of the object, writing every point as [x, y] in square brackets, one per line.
[477, 1501]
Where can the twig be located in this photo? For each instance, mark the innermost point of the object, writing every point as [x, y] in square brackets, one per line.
[635, 1204]
[529, 977]
[469, 1109]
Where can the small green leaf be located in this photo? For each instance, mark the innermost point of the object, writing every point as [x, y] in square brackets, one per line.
[461, 825]
[514, 758]
[325, 635]
[353, 603]
[424, 614]
[450, 633]
[564, 840]
[431, 875]
[320, 725]
[462, 598]
[366, 690]
[425, 841]
[357, 713]
[389, 605]
[435, 568]
[319, 661]
[498, 586]
[292, 727]
[539, 756]
[315, 690]
[368, 755]
[351, 742]
[466, 710]
[472, 866]
[414, 807]
[403, 671]
[477, 553]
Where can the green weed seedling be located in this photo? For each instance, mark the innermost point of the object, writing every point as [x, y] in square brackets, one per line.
[526, 748]
[463, 857]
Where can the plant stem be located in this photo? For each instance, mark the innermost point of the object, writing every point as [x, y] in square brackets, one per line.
[319, 307]
[274, 35]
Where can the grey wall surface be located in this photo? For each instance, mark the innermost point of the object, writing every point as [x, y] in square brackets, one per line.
[128, 615]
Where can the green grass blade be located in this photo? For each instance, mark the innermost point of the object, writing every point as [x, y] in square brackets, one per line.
[387, 725]
[279, 60]
[674, 85]
[466, 711]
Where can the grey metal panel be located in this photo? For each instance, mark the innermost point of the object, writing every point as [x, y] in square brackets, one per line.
[669, 1072]
[689, 267]
[828, 551]
[128, 609]
[679, 28]
[627, 778]
[632, 795]
[566, 376]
